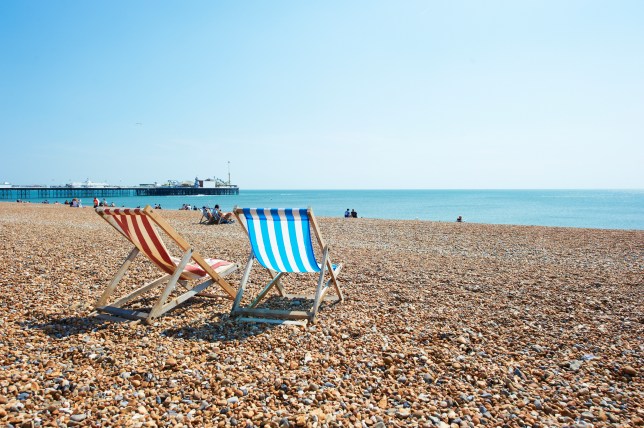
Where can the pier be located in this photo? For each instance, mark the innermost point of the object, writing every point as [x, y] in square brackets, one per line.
[109, 192]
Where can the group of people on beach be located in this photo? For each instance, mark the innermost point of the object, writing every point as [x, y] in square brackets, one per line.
[78, 203]
[74, 203]
[102, 203]
[188, 207]
[216, 215]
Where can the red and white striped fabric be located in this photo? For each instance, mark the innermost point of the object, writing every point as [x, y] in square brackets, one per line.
[136, 226]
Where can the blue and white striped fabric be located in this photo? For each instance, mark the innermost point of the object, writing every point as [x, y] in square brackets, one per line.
[281, 238]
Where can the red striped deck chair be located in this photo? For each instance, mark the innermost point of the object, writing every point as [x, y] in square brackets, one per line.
[139, 226]
[281, 241]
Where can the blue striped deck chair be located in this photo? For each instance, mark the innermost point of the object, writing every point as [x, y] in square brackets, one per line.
[281, 241]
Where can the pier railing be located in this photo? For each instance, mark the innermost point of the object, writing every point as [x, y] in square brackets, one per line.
[109, 192]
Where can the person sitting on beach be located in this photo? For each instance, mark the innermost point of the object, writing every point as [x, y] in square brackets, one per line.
[347, 214]
[207, 214]
[354, 214]
[459, 219]
[223, 217]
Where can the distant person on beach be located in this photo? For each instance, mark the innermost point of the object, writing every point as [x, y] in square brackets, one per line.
[354, 214]
[459, 219]
[95, 202]
[347, 214]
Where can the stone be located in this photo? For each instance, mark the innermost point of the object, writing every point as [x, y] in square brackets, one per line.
[78, 417]
[629, 370]
[575, 364]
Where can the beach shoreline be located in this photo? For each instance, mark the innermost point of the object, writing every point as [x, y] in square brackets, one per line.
[439, 221]
[604, 209]
[443, 323]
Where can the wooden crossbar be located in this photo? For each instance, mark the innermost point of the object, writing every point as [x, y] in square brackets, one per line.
[273, 321]
[275, 313]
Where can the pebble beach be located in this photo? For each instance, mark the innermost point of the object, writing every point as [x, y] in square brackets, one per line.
[444, 324]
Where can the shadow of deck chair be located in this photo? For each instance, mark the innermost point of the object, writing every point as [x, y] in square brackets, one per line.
[139, 226]
[281, 242]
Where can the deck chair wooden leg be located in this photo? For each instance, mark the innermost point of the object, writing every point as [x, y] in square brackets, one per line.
[336, 272]
[102, 301]
[280, 288]
[242, 286]
[334, 278]
[321, 288]
[172, 282]
[185, 296]
[260, 296]
[149, 286]
[224, 284]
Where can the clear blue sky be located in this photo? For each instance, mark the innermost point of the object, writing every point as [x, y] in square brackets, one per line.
[323, 95]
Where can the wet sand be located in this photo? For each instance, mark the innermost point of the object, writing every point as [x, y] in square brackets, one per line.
[443, 324]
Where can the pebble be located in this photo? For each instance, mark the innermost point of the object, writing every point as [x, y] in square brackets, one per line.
[629, 370]
[78, 417]
[575, 365]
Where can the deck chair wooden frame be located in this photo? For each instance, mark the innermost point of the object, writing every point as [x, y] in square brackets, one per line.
[271, 232]
[139, 226]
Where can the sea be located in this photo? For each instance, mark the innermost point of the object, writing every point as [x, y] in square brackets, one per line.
[603, 209]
